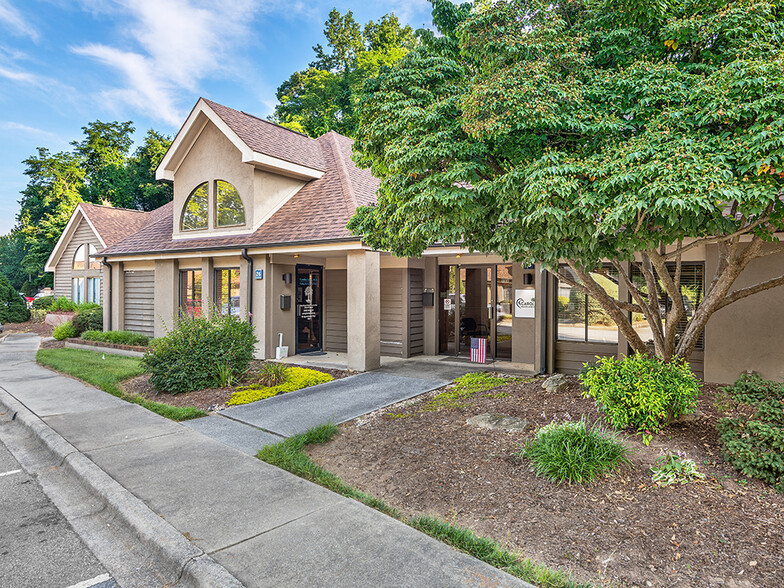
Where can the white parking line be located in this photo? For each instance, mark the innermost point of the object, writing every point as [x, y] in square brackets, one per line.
[93, 582]
[9, 473]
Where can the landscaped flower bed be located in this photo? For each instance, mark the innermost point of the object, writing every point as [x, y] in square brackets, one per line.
[626, 528]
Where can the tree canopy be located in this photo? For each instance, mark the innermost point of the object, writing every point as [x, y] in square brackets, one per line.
[324, 96]
[100, 169]
[588, 132]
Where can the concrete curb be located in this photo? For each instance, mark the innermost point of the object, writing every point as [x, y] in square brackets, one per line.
[192, 565]
[109, 350]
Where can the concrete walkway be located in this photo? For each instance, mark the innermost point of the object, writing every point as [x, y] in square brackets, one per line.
[251, 426]
[213, 506]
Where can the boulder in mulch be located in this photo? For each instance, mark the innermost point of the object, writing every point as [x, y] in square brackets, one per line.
[555, 383]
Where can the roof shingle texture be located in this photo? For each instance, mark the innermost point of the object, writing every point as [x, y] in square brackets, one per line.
[270, 139]
[317, 212]
[115, 224]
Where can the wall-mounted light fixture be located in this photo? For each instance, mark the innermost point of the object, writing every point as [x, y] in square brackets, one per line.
[287, 278]
[296, 255]
[459, 255]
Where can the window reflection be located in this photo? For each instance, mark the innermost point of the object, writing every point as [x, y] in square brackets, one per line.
[228, 205]
[581, 317]
[227, 291]
[195, 213]
[80, 258]
[190, 292]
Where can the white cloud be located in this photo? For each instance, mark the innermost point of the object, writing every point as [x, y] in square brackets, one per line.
[14, 19]
[19, 76]
[174, 44]
[28, 130]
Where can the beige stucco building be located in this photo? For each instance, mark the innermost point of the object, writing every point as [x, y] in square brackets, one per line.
[257, 228]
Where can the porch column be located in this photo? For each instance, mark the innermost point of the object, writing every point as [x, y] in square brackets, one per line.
[167, 282]
[364, 310]
[207, 286]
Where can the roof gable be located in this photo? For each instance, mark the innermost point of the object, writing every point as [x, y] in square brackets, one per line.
[261, 143]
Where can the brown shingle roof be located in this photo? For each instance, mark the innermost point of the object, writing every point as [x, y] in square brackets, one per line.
[114, 224]
[317, 212]
[270, 139]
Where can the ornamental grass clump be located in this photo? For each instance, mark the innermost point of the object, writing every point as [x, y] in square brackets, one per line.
[574, 452]
[200, 353]
[640, 391]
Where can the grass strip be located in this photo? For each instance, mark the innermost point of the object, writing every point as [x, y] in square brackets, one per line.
[106, 371]
[289, 455]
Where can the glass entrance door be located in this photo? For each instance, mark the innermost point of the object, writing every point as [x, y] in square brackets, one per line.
[308, 307]
[475, 301]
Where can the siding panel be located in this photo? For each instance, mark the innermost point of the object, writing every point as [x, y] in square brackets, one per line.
[392, 294]
[336, 316]
[571, 355]
[63, 271]
[139, 302]
[416, 315]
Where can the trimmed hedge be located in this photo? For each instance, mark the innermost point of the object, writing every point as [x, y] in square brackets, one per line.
[117, 337]
[296, 379]
[88, 319]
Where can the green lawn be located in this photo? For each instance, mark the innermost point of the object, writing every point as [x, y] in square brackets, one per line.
[106, 371]
[289, 455]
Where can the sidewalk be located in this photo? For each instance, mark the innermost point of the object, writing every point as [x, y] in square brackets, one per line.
[265, 526]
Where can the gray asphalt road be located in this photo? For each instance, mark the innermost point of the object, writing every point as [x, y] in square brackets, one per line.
[38, 547]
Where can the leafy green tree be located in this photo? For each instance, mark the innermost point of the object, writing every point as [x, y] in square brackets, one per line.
[53, 190]
[146, 192]
[104, 150]
[325, 96]
[587, 131]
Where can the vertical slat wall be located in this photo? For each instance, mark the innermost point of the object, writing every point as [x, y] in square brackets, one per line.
[139, 302]
[416, 315]
[392, 316]
[64, 268]
[336, 315]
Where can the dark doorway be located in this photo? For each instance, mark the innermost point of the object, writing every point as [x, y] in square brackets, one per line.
[308, 307]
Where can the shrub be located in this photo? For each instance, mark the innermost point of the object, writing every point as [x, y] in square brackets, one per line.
[29, 289]
[641, 391]
[62, 305]
[37, 315]
[44, 302]
[89, 319]
[296, 379]
[754, 443]
[674, 468]
[13, 308]
[574, 452]
[190, 356]
[117, 337]
[64, 331]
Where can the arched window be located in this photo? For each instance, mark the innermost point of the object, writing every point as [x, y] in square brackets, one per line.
[194, 215]
[80, 258]
[92, 262]
[229, 211]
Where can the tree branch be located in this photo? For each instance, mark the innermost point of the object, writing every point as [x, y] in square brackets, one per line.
[745, 292]
[715, 239]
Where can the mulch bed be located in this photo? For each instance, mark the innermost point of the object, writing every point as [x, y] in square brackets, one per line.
[210, 399]
[41, 329]
[619, 531]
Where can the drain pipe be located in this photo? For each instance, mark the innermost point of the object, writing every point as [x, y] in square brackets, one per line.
[109, 296]
[249, 259]
[543, 324]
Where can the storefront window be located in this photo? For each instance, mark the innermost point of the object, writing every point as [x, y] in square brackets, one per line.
[691, 291]
[190, 292]
[227, 291]
[581, 317]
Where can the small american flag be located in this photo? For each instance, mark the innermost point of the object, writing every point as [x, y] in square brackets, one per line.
[478, 350]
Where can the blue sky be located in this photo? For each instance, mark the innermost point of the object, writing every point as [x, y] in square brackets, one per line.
[64, 63]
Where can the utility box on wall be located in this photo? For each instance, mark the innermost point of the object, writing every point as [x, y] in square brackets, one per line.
[285, 302]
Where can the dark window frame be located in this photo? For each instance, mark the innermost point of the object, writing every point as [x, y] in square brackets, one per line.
[585, 339]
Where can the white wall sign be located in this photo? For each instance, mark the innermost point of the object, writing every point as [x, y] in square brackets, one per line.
[525, 303]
